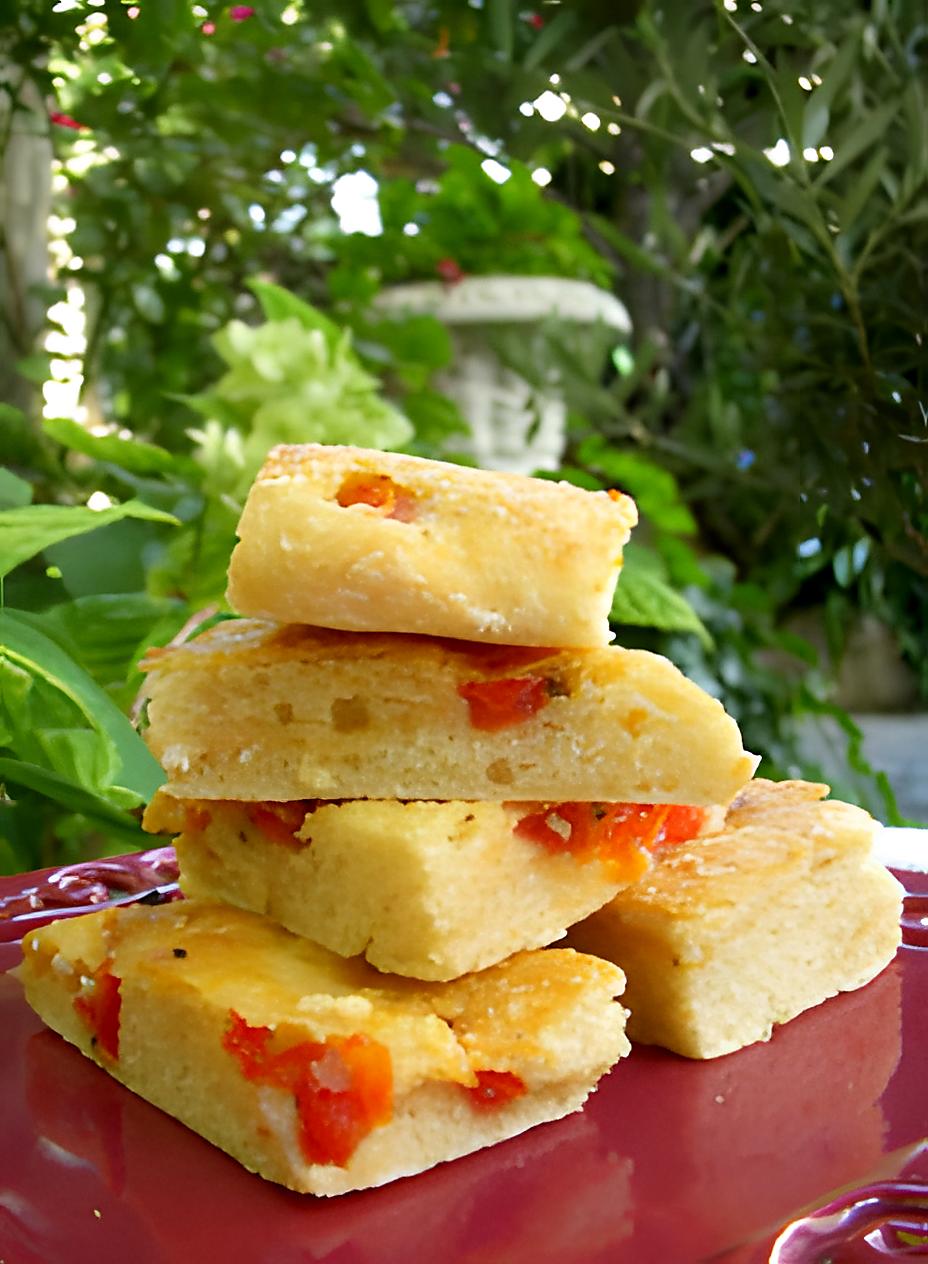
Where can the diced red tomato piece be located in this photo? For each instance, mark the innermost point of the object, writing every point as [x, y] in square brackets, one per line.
[494, 1089]
[278, 821]
[342, 1086]
[99, 1007]
[196, 818]
[497, 704]
[681, 823]
[620, 835]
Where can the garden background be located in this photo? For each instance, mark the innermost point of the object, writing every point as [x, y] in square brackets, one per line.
[203, 206]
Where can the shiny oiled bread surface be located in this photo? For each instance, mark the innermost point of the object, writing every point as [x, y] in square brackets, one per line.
[481, 555]
[252, 710]
[429, 890]
[548, 1018]
[740, 931]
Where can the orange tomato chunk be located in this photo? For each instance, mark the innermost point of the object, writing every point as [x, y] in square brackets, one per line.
[681, 823]
[497, 704]
[99, 1009]
[380, 492]
[494, 1089]
[196, 818]
[342, 1086]
[620, 835]
[278, 821]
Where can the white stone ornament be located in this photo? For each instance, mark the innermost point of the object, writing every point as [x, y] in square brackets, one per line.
[514, 426]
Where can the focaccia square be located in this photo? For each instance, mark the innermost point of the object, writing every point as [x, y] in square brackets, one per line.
[429, 890]
[317, 1072]
[252, 710]
[372, 541]
[740, 931]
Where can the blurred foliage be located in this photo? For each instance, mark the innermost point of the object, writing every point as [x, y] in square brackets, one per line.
[465, 223]
[750, 179]
[292, 379]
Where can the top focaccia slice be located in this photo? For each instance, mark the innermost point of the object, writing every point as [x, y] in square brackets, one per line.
[370, 541]
[254, 711]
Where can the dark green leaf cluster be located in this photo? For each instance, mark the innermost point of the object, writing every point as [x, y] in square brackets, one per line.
[469, 222]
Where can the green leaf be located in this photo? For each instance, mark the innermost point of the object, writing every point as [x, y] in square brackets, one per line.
[915, 107]
[435, 418]
[280, 304]
[35, 656]
[592, 48]
[134, 455]
[29, 529]
[643, 599]
[148, 302]
[105, 633]
[35, 368]
[654, 489]
[861, 192]
[817, 112]
[859, 138]
[550, 36]
[381, 14]
[629, 250]
[68, 794]
[14, 491]
[500, 16]
[415, 340]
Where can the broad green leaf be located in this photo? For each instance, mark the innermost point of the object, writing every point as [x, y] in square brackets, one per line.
[654, 489]
[14, 491]
[18, 773]
[28, 530]
[38, 658]
[104, 633]
[643, 599]
[134, 455]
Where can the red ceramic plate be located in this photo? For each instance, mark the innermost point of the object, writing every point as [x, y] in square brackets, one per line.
[815, 1140]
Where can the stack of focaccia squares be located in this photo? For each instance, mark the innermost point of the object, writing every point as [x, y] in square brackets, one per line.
[416, 763]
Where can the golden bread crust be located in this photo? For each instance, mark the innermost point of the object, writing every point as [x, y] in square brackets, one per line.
[184, 969]
[304, 557]
[734, 933]
[250, 710]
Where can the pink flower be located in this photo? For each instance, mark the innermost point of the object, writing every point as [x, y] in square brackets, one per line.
[241, 12]
[450, 271]
[208, 28]
[65, 120]
[536, 21]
